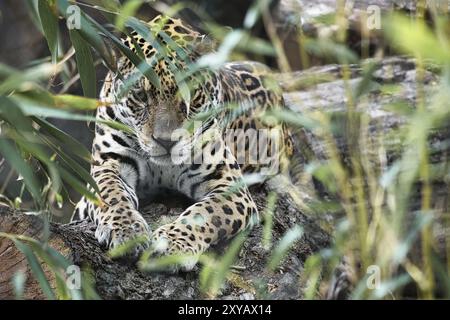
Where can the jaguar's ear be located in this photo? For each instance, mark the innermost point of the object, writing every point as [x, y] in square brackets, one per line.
[205, 44]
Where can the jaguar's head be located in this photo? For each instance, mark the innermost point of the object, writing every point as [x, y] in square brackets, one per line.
[163, 111]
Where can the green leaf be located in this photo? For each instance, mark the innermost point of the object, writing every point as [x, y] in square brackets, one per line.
[73, 165]
[78, 185]
[214, 274]
[34, 14]
[323, 173]
[85, 64]
[164, 263]
[110, 5]
[59, 265]
[33, 108]
[128, 9]
[401, 108]
[76, 102]
[127, 246]
[11, 154]
[65, 139]
[252, 15]
[6, 71]
[36, 268]
[367, 84]
[24, 80]
[284, 245]
[90, 34]
[328, 49]
[60, 101]
[293, 118]
[312, 272]
[50, 26]
[415, 37]
[268, 220]
[33, 144]
[55, 262]
[138, 62]
[19, 279]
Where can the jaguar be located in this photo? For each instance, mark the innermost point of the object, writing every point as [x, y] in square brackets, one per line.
[180, 129]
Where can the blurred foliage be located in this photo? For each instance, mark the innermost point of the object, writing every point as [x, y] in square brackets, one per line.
[378, 226]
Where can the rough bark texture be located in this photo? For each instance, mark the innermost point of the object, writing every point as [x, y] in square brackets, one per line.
[319, 88]
[120, 280]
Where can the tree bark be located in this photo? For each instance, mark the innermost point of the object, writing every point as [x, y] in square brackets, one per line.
[122, 280]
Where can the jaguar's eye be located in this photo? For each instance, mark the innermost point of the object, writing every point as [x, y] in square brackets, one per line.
[141, 95]
[183, 108]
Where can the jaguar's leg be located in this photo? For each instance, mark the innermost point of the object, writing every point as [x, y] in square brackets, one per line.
[117, 218]
[81, 210]
[117, 170]
[224, 208]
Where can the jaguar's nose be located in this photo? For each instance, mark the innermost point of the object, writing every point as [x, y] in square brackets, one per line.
[166, 144]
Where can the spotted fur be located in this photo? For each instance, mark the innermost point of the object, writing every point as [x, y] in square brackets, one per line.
[129, 167]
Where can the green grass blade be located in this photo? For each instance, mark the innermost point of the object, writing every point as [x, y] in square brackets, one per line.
[11, 154]
[283, 246]
[36, 269]
[77, 185]
[85, 64]
[49, 24]
[90, 35]
[268, 220]
[214, 275]
[76, 147]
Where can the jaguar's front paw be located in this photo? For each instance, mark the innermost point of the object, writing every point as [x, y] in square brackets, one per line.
[129, 228]
[177, 240]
